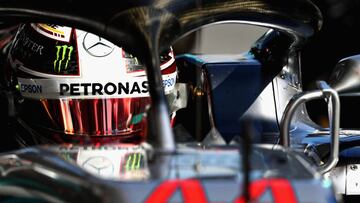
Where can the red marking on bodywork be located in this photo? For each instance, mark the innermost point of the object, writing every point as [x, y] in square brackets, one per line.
[193, 192]
[281, 190]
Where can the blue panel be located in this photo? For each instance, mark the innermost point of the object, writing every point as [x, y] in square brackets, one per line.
[235, 86]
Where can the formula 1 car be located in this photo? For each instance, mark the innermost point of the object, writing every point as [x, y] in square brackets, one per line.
[231, 101]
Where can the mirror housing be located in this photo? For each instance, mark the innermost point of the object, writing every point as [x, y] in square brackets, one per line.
[345, 78]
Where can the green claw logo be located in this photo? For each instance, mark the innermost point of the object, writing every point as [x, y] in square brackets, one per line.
[134, 161]
[63, 56]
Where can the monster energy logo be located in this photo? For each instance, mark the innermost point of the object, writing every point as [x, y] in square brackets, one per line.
[63, 55]
[133, 161]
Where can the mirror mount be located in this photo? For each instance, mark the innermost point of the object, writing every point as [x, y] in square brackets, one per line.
[332, 98]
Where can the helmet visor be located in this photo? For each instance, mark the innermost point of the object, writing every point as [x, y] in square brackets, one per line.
[99, 117]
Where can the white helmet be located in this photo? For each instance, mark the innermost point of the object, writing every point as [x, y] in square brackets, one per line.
[76, 85]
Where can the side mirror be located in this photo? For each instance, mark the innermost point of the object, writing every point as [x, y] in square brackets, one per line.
[345, 78]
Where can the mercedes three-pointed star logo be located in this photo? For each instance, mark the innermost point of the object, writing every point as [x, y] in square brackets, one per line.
[99, 165]
[97, 46]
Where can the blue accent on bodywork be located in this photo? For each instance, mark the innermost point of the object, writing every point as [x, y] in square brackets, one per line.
[235, 86]
[235, 83]
[191, 58]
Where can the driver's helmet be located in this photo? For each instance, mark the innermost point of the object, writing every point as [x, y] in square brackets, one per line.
[74, 86]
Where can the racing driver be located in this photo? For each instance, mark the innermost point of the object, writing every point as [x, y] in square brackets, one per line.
[65, 85]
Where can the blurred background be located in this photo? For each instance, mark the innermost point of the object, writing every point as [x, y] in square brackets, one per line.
[222, 38]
